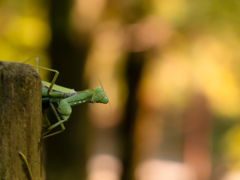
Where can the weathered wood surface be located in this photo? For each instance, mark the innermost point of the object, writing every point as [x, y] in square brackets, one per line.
[20, 121]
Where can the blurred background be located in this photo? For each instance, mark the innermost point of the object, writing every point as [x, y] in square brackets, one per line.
[170, 69]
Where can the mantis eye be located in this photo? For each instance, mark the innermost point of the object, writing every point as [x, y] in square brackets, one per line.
[98, 90]
[104, 100]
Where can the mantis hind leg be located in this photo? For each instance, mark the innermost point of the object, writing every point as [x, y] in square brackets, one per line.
[60, 122]
[26, 164]
[48, 69]
[46, 118]
[37, 61]
[54, 78]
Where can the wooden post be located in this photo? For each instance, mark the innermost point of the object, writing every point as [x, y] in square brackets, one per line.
[20, 121]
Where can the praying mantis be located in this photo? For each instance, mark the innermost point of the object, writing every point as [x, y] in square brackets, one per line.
[64, 98]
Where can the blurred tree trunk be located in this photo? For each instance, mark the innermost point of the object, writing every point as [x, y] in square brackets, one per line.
[134, 68]
[197, 145]
[66, 151]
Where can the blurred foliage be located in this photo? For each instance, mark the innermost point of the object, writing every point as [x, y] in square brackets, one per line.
[170, 69]
[25, 31]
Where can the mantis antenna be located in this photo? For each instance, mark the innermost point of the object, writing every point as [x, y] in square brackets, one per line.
[105, 94]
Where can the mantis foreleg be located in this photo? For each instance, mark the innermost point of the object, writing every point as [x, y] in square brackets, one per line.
[60, 122]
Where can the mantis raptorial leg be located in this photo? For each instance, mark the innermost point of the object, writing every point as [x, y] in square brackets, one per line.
[54, 125]
[27, 165]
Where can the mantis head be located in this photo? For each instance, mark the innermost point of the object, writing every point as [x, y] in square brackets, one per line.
[100, 96]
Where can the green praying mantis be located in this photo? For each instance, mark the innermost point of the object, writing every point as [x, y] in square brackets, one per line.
[64, 98]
